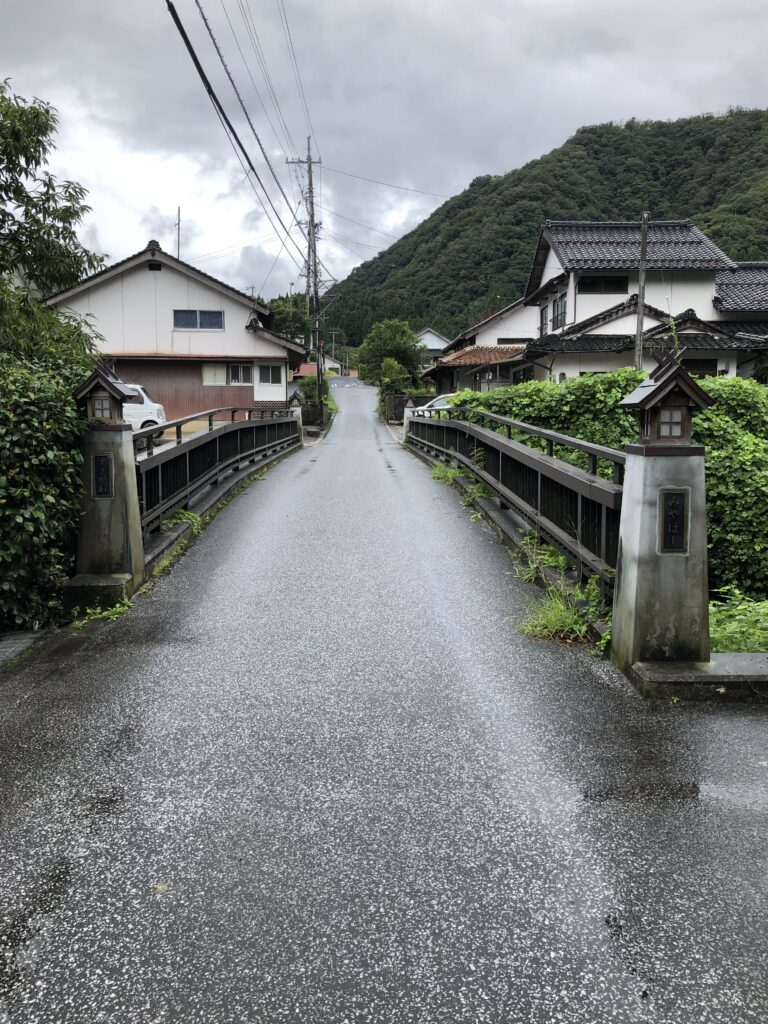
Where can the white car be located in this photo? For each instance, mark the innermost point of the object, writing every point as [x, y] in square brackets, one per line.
[441, 402]
[141, 411]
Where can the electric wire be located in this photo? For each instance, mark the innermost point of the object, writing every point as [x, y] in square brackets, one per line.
[299, 266]
[296, 72]
[229, 128]
[259, 96]
[359, 223]
[243, 107]
[253, 36]
[387, 184]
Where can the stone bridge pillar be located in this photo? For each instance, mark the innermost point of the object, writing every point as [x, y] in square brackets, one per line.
[110, 547]
[661, 599]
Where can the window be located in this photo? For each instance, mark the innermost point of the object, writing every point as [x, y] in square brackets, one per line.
[603, 284]
[240, 373]
[214, 374]
[101, 409]
[211, 319]
[154, 265]
[670, 422]
[198, 319]
[543, 321]
[558, 312]
[270, 375]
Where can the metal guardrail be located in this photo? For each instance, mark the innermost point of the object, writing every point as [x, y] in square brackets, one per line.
[574, 509]
[169, 475]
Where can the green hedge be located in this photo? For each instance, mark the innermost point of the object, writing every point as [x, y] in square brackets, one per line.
[734, 432]
[40, 485]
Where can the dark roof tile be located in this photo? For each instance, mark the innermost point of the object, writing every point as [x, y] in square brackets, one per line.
[745, 288]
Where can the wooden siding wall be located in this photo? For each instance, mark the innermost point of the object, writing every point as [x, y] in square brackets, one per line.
[179, 388]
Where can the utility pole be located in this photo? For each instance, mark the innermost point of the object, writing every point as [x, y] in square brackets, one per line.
[313, 282]
[333, 344]
[178, 232]
[641, 292]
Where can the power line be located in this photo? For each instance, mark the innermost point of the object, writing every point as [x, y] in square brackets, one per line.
[279, 253]
[253, 83]
[227, 123]
[352, 241]
[359, 223]
[253, 36]
[387, 184]
[297, 74]
[243, 107]
[248, 179]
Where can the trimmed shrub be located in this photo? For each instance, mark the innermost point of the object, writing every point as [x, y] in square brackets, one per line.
[734, 433]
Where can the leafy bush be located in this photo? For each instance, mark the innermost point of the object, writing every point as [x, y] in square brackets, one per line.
[734, 432]
[308, 390]
[40, 486]
[738, 623]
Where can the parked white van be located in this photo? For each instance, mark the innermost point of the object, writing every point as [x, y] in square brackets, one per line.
[141, 411]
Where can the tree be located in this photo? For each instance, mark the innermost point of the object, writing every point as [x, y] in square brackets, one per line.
[44, 355]
[38, 215]
[290, 316]
[395, 340]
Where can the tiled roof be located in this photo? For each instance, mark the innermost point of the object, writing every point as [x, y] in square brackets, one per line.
[745, 288]
[742, 327]
[582, 343]
[482, 355]
[672, 245]
[472, 330]
[615, 313]
[152, 251]
[615, 245]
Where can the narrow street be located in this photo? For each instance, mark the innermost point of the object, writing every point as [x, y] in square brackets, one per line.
[316, 774]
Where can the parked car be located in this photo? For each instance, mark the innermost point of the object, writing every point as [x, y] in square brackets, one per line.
[141, 411]
[441, 402]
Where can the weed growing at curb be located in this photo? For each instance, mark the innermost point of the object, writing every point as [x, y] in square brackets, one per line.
[110, 614]
[556, 617]
[445, 474]
[183, 515]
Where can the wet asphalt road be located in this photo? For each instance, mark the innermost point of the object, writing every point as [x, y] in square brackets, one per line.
[316, 775]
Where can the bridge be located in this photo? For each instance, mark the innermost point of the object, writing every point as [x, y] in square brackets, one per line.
[317, 774]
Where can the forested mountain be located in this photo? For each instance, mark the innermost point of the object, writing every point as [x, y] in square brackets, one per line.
[474, 252]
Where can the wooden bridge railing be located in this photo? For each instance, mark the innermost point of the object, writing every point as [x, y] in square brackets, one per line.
[574, 509]
[170, 474]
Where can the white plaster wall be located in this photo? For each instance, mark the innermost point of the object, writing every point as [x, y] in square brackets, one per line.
[134, 313]
[676, 290]
[429, 339]
[522, 322]
[552, 267]
[574, 363]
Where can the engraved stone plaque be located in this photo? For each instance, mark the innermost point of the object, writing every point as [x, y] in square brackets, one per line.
[102, 476]
[674, 523]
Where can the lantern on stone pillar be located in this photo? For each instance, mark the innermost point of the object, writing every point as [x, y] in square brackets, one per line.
[103, 395]
[665, 404]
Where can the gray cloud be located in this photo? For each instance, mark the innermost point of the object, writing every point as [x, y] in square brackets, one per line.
[429, 95]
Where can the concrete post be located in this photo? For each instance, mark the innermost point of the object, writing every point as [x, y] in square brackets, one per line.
[661, 600]
[110, 548]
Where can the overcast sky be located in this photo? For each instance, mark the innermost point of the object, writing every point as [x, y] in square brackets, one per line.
[423, 93]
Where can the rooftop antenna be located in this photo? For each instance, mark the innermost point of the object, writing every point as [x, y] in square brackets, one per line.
[178, 232]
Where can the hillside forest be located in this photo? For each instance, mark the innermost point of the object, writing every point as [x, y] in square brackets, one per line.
[473, 254]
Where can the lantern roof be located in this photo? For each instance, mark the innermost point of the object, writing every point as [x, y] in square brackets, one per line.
[668, 376]
[102, 377]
